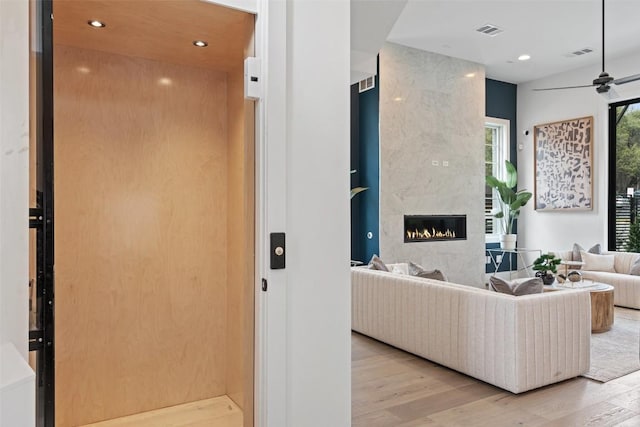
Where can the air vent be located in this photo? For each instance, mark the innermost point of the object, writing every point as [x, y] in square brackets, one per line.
[579, 52]
[366, 84]
[490, 30]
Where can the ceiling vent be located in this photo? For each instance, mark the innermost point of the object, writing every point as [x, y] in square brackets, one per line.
[366, 84]
[579, 52]
[490, 30]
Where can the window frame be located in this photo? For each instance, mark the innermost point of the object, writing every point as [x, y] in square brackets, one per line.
[503, 151]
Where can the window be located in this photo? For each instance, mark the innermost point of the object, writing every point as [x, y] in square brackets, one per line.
[624, 175]
[496, 151]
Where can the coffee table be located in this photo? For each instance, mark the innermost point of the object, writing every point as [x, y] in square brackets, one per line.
[601, 302]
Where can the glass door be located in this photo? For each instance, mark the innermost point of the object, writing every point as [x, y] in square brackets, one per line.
[624, 176]
[41, 267]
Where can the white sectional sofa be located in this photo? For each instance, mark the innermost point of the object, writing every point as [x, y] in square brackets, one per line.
[626, 287]
[515, 343]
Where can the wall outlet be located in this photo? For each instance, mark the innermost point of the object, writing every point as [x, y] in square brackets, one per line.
[445, 163]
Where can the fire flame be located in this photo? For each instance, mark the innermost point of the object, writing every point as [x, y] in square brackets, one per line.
[433, 234]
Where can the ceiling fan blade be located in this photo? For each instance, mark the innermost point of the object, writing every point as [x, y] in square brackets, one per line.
[627, 79]
[563, 87]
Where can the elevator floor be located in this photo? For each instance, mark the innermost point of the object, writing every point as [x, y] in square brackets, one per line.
[217, 412]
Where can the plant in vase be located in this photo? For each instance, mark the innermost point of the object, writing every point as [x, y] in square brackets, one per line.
[510, 201]
[545, 267]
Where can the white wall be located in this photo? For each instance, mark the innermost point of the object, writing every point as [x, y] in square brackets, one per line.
[14, 173]
[17, 382]
[318, 236]
[559, 230]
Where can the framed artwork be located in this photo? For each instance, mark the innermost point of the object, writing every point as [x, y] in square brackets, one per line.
[564, 165]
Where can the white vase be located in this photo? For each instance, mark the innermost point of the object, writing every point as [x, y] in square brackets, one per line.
[508, 241]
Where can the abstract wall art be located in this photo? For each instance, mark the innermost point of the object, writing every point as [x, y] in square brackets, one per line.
[564, 165]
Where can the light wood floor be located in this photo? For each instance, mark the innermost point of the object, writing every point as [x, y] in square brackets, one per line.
[396, 389]
[217, 412]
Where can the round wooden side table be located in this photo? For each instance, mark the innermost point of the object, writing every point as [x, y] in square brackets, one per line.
[601, 307]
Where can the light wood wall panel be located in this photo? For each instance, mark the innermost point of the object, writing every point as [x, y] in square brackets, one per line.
[240, 294]
[240, 291]
[141, 235]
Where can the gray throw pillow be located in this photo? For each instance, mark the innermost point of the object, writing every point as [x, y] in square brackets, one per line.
[377, 264]
[420, 271]
[595, 249]
[517, 287]
[635, 267]
[433, 274]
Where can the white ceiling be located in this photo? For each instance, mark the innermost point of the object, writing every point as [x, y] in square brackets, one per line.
[545, 29]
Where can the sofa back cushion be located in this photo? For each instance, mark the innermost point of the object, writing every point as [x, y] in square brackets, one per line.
[623, 261]
[593, 262]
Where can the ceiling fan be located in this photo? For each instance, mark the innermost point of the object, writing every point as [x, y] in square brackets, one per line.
[604, 81]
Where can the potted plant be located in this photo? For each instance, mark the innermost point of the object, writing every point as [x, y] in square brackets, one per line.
[510, 202]
[545, 267]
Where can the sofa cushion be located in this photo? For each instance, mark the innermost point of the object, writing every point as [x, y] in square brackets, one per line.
[517, 287]
[577, 256]
[593, 262]
[377, 264]
[420, 271]
[635, 267]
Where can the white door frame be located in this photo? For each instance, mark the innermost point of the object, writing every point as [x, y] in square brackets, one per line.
[270, 355]
[270, 390]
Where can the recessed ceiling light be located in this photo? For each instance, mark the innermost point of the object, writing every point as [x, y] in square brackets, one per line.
[397, 98]
[200, 43]
[524, 57]
[165, 81]
[82, 69]
[470, 75]
[96, 24]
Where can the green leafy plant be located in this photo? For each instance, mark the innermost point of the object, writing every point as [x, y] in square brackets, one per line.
[357, 190]
[546, 263]
[510, 200]
[633, 243]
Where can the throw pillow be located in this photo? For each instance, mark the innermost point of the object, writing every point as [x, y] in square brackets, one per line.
[635, 267]
[595, 262]
[595, 249]
[517, 287]
[420, 271]
[377, 264]
[433, 274]
[400, 268]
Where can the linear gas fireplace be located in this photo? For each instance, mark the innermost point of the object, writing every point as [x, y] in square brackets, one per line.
[432, 228]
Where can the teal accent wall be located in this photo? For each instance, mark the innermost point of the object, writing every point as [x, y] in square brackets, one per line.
[501, 100]
[365, 159]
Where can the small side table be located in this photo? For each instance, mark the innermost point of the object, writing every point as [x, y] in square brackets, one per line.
[572, 264]
[495, 253]
[601, 308]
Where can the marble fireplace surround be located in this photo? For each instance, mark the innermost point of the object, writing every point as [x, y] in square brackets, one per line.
[432, 110]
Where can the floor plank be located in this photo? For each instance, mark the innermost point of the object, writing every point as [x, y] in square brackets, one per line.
[396, 389]
[217, 412]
